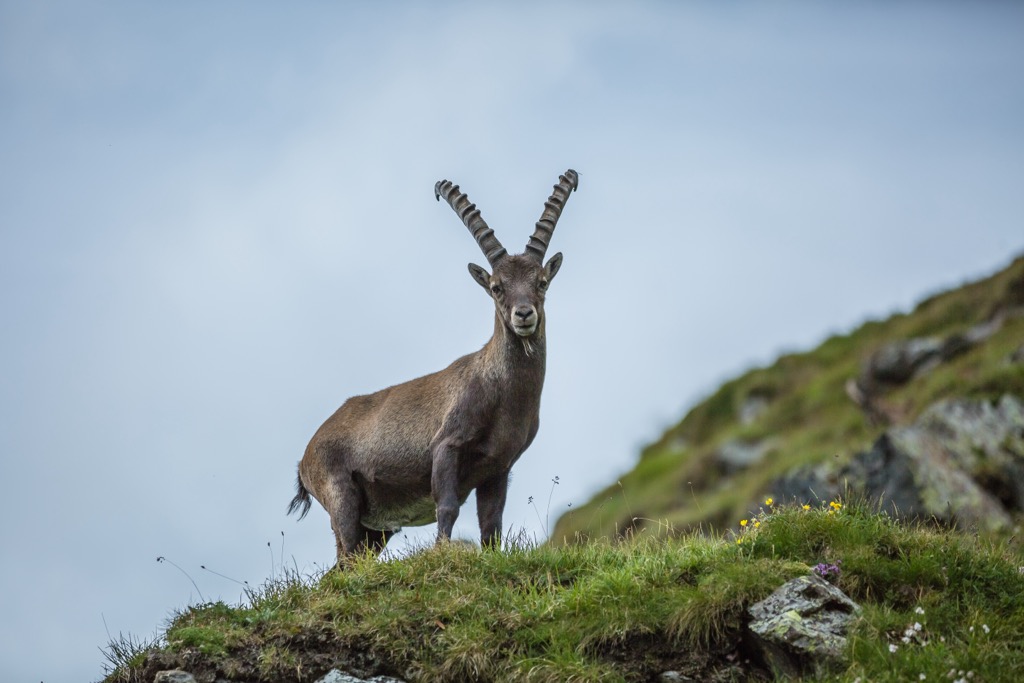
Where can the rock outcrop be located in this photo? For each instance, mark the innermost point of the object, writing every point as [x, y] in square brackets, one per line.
[960, 464]
[900, 361]
[338, 676]
[174, 676]
[801, 627]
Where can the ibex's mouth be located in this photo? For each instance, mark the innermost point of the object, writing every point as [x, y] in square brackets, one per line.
[524, 320]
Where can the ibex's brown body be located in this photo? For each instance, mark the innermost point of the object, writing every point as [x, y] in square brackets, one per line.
[412, 453]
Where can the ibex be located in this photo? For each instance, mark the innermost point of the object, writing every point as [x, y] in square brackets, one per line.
[410, 454]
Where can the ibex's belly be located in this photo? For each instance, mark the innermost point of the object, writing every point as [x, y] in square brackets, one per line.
[393, 517]
[392, 512]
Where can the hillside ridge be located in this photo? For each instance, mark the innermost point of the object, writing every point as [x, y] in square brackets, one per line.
[765, 430]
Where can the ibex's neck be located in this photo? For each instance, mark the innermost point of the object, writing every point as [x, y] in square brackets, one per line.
[510, 352]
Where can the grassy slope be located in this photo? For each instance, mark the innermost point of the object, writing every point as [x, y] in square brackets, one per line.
[674, 486]
[629, 611]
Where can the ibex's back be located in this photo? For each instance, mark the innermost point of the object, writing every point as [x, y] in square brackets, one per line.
[411, 453]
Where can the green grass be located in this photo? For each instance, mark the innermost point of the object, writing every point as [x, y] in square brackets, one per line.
[675, 487]
[671, 591]
[626, 611]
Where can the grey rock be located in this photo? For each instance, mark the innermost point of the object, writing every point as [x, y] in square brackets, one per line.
[752, 408]
[801, 627]
[337, 676]
[992, 428]
[912, 474]
[900, 361]
[961, 463]
[987, 441]
[672, 677]
[174, 676]
[815, 485]
[977, 430]
[978, 333]
[736, 455]
[897, 362]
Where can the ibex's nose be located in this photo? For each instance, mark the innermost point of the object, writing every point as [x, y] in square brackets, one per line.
[524, 313]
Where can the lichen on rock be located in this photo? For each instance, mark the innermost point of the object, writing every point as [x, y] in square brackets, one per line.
[801, 627]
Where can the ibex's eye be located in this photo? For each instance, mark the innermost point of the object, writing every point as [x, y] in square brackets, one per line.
[496, 290]
[543, 284]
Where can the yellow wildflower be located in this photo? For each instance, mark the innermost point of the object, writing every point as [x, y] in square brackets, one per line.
[757, 524]
[769, 500]
[806, 506]
[743, 522]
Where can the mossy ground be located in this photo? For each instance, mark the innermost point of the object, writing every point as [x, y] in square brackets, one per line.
[627, 611]
[676, 487]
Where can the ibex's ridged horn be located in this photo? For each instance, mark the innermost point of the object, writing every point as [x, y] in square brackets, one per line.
[470, 215]
[538, 244]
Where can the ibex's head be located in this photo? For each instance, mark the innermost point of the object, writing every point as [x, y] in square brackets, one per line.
[518, 283]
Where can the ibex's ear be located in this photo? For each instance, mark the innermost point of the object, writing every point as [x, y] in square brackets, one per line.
[482, 277]
[554, 263]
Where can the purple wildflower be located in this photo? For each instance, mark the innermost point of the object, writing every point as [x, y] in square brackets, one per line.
[828, 571]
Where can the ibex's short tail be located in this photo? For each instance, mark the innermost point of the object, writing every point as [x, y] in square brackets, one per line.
[301, 499]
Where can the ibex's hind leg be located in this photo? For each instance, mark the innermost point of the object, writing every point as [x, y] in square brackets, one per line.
[343, 502]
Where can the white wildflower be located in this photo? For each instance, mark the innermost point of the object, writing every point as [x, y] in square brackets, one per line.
[919, 610]
[917, 625]
[892, 648]
[985, 628]
[921, 677]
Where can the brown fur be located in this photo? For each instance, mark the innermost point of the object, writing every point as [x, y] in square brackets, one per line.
[412, 453]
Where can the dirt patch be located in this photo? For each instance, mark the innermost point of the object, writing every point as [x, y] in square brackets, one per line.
[299, 658]
[645, 657]
[308, 655]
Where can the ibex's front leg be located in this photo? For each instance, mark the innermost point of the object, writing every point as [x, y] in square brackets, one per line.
[490, 503]
[444, 486]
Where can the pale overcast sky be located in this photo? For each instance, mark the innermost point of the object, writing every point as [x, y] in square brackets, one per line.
[217, 222]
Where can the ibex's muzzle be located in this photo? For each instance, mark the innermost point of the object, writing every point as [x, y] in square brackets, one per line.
[524, 320]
